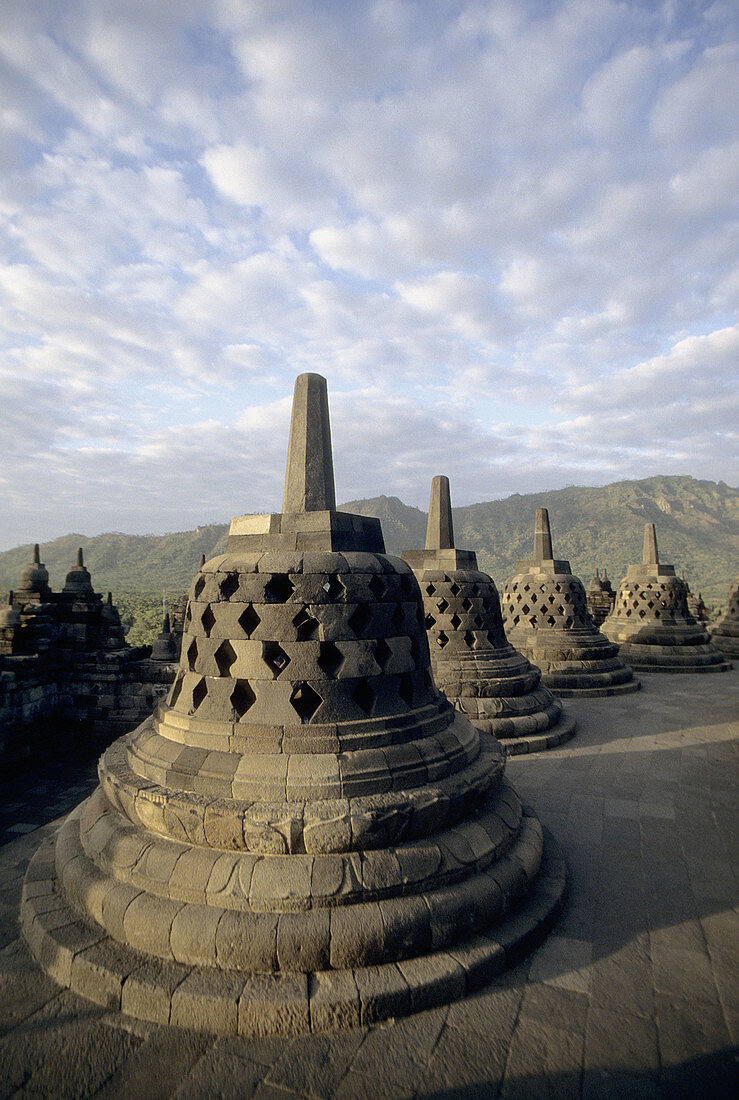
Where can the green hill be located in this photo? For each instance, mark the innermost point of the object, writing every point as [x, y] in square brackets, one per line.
[697, 529]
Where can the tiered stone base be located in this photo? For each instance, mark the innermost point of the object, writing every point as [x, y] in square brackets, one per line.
[501, 693]
[674, 658]
[727, 644]
[577, 664]
[105, 914]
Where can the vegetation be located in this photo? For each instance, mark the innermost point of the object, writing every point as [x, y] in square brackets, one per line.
[697, 530]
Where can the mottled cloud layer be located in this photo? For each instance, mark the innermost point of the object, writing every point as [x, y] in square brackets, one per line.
[505, 230]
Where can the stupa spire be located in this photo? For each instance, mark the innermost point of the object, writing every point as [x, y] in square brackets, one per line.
[80, 558]
[542, 536]
[650, 554]
[309, 479]
[36, 554]
[440, 530]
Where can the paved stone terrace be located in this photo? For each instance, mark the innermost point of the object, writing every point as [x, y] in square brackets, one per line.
[635, 994]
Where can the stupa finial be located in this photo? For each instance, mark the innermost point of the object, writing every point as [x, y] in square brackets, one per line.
[80, 559]
[650, 555]
[202, 560]
[309, 479]
[440, 530]
[542, 536]
[36, 554]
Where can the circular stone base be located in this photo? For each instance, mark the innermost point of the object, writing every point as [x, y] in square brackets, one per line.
[726, 645]
[590, 692]
[723, 666]
[540, 742]
[92, 964]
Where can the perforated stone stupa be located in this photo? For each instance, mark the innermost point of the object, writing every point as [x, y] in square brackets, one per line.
[473, 662]
[546, 617]
[652, 623]
[725, 631]
[307, 835]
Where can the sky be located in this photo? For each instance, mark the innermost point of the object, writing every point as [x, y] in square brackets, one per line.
[504, 230]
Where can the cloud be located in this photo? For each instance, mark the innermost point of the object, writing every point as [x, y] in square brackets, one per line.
[502, 230]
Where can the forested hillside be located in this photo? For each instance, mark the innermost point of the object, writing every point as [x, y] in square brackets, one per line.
[697, 529]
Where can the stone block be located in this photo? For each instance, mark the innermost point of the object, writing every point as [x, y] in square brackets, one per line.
[383, 993]
[99, 972]
[147, 991]
[313, 776]
[230, 879]
[433, 980]
[357, 935]
[335, 876]
[274, 1004]
[208, 1000]
[115, 903]
[282, 881]
[223, 825]
[334, 1000]
[147, 923]
[193, 935]
[303, 940]
[327, 826]
[406, 926]
[191, 873]
[247, 941]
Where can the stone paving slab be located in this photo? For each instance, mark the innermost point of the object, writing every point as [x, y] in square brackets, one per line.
[635, 993]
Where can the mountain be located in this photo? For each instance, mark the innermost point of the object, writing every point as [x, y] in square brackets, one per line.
[697, 530]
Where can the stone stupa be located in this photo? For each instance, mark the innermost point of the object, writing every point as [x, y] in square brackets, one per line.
[600, 598]
[651, 620]
[473, 662]
[307, 835]
[725, 631]
[546, 617]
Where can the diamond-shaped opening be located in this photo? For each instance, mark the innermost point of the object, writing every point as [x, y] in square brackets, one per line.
[642, 614]
[430, 589]
[551, 620]
[364, 696]
[441, 639]
[305, 701]
[491, 635]
[176, 689]
[198, 693]
[415, 651]
[456, 621]
[455, 589]
[279, 588]
[275, 658]
[398, 617]
[229, 585]
[534, 597]
[188, 613]
[305, 624]
[199, 586]
[526, 587]
[383, 653]
[249, 620]
[466, 604]
[469, 639]
[406, 584]
[657, 614]
[430, 621]
[474, 590]
[192, 655]
[525, 609]
[330, 659]
[359, 618]
[242, 697]
[477, 620]
[208, 620]
[333, 587]
[377, 586]
[225, 657]
[406, 689]
[442, 606]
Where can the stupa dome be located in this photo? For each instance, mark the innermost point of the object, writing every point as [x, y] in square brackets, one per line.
[725, 631]
[651, 619]
[164, 646]
[306, 835]
[78, 578]
[473, 662]
[546, 617]
[9, 615]
[34, 577]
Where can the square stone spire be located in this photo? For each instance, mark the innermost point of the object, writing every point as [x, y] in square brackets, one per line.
[650, 565]
[440, 552]
[309, 519]
[543, 560]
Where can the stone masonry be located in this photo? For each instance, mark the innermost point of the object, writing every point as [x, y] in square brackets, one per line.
[725, 631]
[307, 836]
[652, 623]
[473, 662]
[546, 617]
